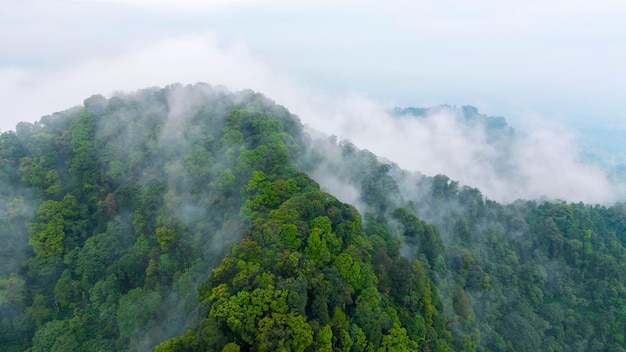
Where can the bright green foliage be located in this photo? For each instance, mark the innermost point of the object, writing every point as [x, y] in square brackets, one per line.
[350, 270]
[316, 248]
[49, 235]
[35, 174]
[111, 213]
[289, 236]
[523, 276]
[324, 339]
[131, 209]
[231, 347]
[166, 237]
[397, 340]
[341, 336]
[299, 281]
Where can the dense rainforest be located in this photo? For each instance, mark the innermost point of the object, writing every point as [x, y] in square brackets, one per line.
[192, 218]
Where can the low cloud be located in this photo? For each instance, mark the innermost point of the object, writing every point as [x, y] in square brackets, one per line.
[29, 94]
[542, 161]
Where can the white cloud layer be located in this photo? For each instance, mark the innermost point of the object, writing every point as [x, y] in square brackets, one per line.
[30, 94]
[523, 54]
[542, 161]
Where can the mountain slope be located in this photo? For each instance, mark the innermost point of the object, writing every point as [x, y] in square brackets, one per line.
[191, 218]
[535, 274]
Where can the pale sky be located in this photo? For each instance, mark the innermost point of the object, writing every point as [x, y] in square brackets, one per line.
[549, 67]
[559, 59]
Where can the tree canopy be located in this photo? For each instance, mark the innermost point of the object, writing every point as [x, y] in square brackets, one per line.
[187, 218]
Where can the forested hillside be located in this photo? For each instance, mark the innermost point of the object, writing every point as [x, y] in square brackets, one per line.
[191, 218]
[527, 276]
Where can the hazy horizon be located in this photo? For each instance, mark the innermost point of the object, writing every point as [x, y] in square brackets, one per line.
[559, 60]
[552, 69]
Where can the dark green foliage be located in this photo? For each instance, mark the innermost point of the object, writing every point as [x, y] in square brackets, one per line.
[184, 219]
[291, 277]
[523, 276]
[113, 211]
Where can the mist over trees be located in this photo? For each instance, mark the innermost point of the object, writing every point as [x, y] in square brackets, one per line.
[192, 218]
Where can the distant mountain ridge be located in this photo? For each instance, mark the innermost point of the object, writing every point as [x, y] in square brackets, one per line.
[466, 113]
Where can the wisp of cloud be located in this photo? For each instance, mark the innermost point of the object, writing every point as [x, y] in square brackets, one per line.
[540, 162]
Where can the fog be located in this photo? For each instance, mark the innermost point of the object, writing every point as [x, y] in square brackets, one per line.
[343, 77]
[542, 159]
[560, 59]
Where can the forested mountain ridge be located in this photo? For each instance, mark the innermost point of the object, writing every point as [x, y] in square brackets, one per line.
[190, 218]
[467, 114]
